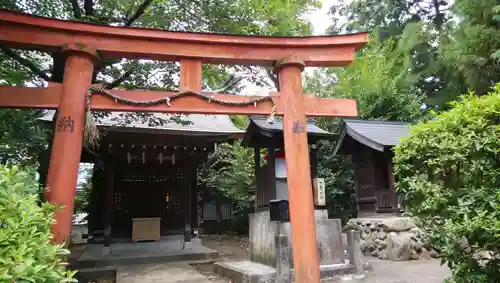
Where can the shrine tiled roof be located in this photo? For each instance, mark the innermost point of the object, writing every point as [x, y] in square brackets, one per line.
[192, 123]
[277, 126]
[259, 128]
[375, 134]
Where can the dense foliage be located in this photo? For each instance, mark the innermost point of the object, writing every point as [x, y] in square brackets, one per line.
[26, 251]
[449, 177]
[230, 175]
[383, 91]
[377, 80]
[339, 183]
[421, 55]
[449, 46]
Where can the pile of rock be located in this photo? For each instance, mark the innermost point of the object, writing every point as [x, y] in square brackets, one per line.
[393, 238]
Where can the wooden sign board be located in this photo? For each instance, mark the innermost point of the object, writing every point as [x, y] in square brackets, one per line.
[319, 192]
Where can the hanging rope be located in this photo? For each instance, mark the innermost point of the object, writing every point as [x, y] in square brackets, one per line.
[92, 133]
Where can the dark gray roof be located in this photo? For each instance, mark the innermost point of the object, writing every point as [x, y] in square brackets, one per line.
[277, 126]
[259, 126]
[375, 134]
[199, 123]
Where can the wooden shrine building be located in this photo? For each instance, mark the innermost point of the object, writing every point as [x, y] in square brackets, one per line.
[79, 48]
[271, 177]
[273, 193]
[370, 145]
[147, 172]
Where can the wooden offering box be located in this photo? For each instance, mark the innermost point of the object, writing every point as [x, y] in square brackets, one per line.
[146, 229]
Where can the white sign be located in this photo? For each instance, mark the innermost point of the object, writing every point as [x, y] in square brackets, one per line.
[319, 192]
[280, 168]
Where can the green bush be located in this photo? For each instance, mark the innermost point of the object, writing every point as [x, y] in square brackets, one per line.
[26, 251]
[231, 176]
[338, 175]
[448, 172]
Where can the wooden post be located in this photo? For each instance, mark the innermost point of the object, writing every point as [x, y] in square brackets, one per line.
[43, 168]
[258, 177]
[95, 210]
[187, 186]
[314, 162]
[109, 185]
[218, 212]
[190, 75]
[392, 182]
[68, 137]
[270, 187]
[314, 166]
[194, 194]
[304, 243]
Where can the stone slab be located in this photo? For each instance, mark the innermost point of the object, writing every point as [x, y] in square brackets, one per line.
[155, 273]
[330, 245]
[247, 271]
[333, 271]
[244, 271]
[168, 249]
[262, 232]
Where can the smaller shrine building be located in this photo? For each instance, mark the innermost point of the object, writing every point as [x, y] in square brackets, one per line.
[370, 144]
[144, 184]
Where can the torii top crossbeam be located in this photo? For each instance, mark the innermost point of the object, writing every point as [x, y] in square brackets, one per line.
[31, 32]
[84, 44]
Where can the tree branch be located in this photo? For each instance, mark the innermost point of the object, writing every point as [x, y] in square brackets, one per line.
[231, 82]
[140, 10]
[76, 9]
[274, 78]
[25, 62]
[120, 80]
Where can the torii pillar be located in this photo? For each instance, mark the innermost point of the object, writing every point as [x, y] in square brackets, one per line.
[303, 225]
[68, 136]
[48, 35]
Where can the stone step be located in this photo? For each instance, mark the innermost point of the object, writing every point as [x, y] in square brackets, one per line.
[247, 271]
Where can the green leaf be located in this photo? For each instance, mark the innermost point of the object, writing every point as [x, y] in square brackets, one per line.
[445, 172]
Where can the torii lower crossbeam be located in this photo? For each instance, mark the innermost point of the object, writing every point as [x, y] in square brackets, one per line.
[84, 44]
[49, 97]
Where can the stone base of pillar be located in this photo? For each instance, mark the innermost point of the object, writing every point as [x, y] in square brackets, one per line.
[263, 231]
[187, 245]
[106, 250]
[354, 253]
[283, 259]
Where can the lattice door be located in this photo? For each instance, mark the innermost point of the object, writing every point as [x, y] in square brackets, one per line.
[173, 195]
[149, 190]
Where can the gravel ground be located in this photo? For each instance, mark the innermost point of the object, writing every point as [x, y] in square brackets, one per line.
[382, 271]
[236, 248]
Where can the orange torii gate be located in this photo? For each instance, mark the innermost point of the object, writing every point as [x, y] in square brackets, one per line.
[85, 44]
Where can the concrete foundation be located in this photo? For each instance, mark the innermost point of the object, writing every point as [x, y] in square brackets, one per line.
[169, 248]
[78, 234]
[262, 238]
[251, 272]
[244, 271]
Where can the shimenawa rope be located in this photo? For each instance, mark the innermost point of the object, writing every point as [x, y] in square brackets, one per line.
[92, 133]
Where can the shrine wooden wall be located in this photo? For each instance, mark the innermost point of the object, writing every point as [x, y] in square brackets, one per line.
[266, 176]
[140, 178]
[373, 179]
